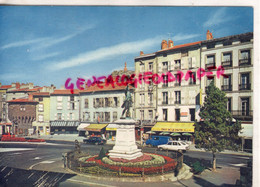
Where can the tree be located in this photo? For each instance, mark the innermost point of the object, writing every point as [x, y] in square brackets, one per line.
[216, 131]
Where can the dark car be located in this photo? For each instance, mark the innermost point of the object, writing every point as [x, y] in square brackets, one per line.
[95, 140]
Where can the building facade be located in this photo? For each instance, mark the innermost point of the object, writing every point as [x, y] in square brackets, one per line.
[22, 113]
[235, 54]
[64, 111]
[42, 123]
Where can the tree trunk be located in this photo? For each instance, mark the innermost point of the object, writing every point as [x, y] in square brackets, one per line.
[214, 162]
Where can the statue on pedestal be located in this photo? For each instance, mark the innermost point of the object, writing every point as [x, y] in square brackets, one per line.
[127, 103]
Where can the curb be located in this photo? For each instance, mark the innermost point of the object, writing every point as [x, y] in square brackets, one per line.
[230, 153]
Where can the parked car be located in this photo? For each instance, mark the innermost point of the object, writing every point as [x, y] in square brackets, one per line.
[174, 146]
[95, 140]
[157, 140]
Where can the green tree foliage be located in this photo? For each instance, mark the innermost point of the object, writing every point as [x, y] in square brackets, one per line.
[216, 131]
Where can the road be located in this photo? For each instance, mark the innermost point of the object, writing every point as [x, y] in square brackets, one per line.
[40, 164]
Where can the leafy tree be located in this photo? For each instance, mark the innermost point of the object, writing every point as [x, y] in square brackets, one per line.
[216, 131]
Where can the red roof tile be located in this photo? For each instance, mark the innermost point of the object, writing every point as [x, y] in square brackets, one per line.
[22, 101]
[41, 93]
[64, 92]
[6, 87]
[181, 46]
[99, 88]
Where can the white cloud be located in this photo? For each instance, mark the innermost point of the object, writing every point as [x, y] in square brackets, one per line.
[46, 41]
[14, 76]
[105, 52]
[180, 37]
[23, 43]
[218, 17]
[45, 56]
[54, 41]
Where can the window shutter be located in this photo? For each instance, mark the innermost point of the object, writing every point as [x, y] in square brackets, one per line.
[159, 67]
[73, 116]
[68, 105]
[172, 63]
[76, 104]
[184, 63]
[194, 62]
[68, 98]
[68, 116]
[190, 62]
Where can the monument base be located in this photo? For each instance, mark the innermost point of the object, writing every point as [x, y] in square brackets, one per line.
[125, 146]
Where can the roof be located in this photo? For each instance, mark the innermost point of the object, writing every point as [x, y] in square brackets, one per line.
[41, 94]
[65, 92]
[181, 46]
[22, 100]
[37, 88]
[96, 88]
[3, 87]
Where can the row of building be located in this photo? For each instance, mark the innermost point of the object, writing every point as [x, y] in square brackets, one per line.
[170, 106]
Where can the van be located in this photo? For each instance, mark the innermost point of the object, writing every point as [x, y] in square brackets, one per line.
[158, 140]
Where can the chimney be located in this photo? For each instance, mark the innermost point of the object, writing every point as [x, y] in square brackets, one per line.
[125, 69]
[30, 98]
[30, 85]
[141, 53]
[209, 35]
[164, 44]
[17, 85]
[170, 43]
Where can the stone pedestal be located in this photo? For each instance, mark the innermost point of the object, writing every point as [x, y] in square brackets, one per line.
[125, 146]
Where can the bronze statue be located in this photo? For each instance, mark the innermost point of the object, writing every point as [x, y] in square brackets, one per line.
[127, 102]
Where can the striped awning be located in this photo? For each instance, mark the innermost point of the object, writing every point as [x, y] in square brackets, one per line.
[95, 127]
[64, 123]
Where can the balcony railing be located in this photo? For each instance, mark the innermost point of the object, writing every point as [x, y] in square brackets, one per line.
[165, 85]
[210, 65]
[226, 87]
[242, 114]
[165, 102]
[243, 62]
[165, 69]
[177, 84]
[192, 83]
[227, 63]
[150, 104]
[244, 86]
[177, 102]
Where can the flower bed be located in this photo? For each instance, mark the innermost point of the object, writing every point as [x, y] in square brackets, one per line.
[153, 166]
[12, 138]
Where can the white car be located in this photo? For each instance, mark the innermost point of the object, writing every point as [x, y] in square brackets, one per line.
[174, 146]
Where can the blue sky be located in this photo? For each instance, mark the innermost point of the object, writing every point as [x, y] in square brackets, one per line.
[48, 44]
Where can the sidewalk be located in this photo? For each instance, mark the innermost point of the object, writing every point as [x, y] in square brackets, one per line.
[73, 137]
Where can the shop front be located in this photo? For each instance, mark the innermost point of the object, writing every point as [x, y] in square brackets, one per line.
[177, 130]
[96, 129]
[246, 135]
[81, 129]
[64, 127]
[111, 131]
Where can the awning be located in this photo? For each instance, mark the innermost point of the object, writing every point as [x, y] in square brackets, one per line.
[164, 133]
[64, 123]
[6, 124]
[187, 134]
[175, 134]
[173, 127]
[95, 127]
[112, 127]
[150, 132]
[246, 131]
[82, 126]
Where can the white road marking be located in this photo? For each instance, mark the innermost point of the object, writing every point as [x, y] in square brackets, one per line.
[14, 149]
[238, 165]
[37, 158]
[91, 183]
[42, 162]
[47, 162]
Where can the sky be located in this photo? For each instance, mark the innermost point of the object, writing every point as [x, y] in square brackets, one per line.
[47, 44]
